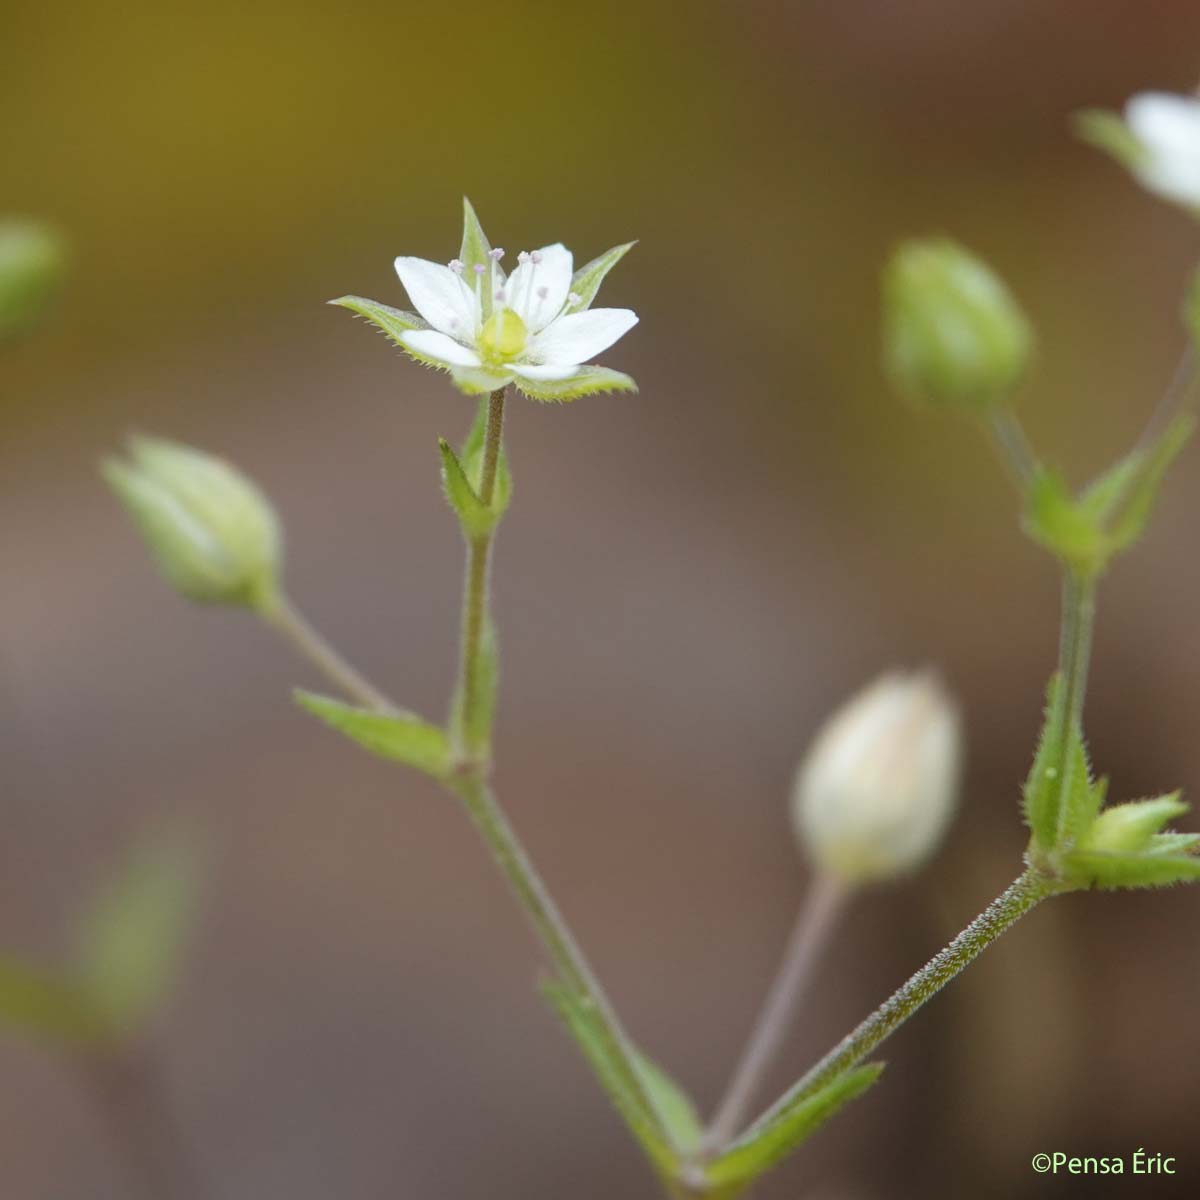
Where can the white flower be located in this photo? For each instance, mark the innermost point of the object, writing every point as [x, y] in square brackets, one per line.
[534, 328]
[878, 788]
[1168, 129]
[1158, 140]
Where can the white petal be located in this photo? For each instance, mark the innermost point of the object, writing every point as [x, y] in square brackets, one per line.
[1169, 129]
[545, 374]
[537, 291]
[441, 296]
[432, 344]
[577, 337]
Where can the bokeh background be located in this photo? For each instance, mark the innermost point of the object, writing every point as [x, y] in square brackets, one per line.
[688, 579]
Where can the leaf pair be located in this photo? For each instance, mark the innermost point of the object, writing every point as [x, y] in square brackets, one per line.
[1078, 841]
[128, 958]
[1088, 530]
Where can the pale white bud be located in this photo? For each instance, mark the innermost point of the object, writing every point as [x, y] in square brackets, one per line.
[878, 788]
[212, 532]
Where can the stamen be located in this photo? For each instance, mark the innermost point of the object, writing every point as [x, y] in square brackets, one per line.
[574, 299]
[536, 257]
[543, 292]
[500, 297]
[456, 265]
[496, 255]
[523, 257]
[478, 268]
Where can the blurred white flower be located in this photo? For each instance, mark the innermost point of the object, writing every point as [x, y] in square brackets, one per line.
[1167, 128]
[879, 786]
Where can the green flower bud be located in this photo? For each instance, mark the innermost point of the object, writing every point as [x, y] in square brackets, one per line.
[952, 332]
[212, 532]
[31, 264]
[879, 786]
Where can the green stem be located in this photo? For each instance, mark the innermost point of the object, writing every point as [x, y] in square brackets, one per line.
[287, 620]
[473, 739]
[472, 731]
[1013, 446]
[1022, 895]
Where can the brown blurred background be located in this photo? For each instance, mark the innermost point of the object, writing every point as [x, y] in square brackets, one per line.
[687, 581]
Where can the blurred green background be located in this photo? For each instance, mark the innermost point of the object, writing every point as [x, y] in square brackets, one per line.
[688, 579]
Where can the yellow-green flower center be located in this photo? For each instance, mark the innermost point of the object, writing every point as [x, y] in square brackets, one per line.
[503, 336]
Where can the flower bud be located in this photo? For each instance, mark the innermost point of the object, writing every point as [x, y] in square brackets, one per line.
[878, 788]
[31, 264]
[211, 531]
[952, 332]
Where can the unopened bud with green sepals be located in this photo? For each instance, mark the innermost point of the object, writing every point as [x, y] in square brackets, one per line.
[31, 264]
[213, 534]
[952, 332]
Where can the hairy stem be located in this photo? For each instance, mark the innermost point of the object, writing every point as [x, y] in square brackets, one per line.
[818, 915]
[286, 619]
[1022, 895]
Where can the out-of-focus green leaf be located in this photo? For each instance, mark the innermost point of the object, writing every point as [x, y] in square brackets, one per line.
[1107, 131]
[32, 262]
[1131, 521]
[783, 1128]
[1042, 787]
[1054, 520]
[37, 1002]
[133, 938]
[585, 283]
[400, 736]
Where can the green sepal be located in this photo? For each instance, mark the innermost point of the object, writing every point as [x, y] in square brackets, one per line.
[1097, 869]
[131, 942]
[782, 1129]
[581, 1022]
[47, 1005]
[1080, 797]
[1107, 131]
[1173, 843]
[475, 250]
[585, 283]
[1129, 828]
[391, 321]
[586, 381]
[478, 381]
[399, 736]
[476, 519]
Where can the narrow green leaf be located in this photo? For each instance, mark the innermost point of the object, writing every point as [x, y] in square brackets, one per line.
[400, 736]
[586, 381]
[785, 1127]
[132, 940]
[472, 461]
[672, 1105]
[1132, 521]
[1043, 787]
[585, 283]
[474, 516]
[1107, 131]
[580, 1021]
[392, 321]
[1101, 870]
[38, 1002]
[1128, 828]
